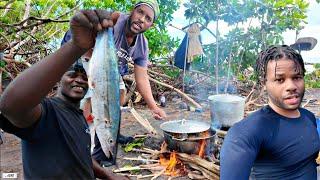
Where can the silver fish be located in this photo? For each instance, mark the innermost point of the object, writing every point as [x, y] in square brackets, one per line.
[104, 81]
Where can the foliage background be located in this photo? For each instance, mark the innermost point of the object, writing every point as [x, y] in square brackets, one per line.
[31, 29]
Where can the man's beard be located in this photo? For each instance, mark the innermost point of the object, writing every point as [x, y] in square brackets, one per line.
[129, 25]
[280, 102]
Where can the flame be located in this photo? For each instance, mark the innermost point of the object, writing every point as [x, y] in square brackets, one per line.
[203, 143]
[202, 148]
[174, 166]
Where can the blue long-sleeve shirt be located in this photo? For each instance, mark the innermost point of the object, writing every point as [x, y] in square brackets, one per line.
[267, 145]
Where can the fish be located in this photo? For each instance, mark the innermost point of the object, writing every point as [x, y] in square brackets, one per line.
[104, 81]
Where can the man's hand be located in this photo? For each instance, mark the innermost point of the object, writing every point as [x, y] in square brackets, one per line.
[85, 25]
[158, 113]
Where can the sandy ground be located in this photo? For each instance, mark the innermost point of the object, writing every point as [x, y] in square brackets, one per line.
[10, 151]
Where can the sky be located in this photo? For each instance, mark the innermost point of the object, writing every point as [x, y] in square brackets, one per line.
[312, 29]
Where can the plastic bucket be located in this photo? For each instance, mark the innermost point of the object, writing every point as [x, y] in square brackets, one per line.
[226, 109]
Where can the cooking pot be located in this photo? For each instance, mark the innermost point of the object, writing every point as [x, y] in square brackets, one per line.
[226, 109]
[185, 135]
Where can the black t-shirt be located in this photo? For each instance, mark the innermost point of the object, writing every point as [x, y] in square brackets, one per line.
[267, 145]
[58, 145]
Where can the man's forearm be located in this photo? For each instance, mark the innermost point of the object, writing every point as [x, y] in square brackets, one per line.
[100, 172]
[143, 86]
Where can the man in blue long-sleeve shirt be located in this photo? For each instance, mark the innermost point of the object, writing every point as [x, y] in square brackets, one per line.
[279, 141]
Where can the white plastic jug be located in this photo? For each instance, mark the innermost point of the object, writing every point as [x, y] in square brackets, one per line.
[226, 109]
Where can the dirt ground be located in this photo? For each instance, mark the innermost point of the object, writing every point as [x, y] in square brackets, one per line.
[10, 151]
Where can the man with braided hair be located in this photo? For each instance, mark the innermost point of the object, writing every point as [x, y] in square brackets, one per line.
[280, 140]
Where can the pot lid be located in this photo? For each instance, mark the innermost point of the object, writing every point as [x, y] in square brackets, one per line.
[185, 126]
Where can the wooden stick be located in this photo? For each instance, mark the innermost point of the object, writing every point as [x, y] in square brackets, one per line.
[193, 175]
[158, 174]
[161, 75]
[153, 72]
[140, 159]
[186, 97]
[146, 150]
[145, 176]
[144, 122]
[199, 161]
[123, 169]
[140, 136]
[206, 172]
[308, 101]
[156, 167]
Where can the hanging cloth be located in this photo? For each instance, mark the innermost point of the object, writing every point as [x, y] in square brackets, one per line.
[181, 54]
[194, 46]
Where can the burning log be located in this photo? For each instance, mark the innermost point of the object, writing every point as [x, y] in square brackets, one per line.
[200, 162]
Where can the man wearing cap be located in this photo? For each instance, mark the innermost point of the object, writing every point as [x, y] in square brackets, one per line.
[131, 45]
[55, 136]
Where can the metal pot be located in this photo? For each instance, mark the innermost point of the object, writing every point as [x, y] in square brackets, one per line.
[185, 135]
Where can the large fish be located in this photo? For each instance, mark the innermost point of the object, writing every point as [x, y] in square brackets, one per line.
[104, 82]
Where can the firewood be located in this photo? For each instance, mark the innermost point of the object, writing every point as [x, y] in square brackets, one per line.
[158, 174]
[141, 167]
[193, 175]
[123, 169]
[144, 122]
[308, 101]
[145, 176]
[205, 172]
[146, 150]
[199, 161]
[140, 159]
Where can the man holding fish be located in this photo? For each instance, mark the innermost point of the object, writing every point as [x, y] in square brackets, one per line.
[55, 136]
[131, 45]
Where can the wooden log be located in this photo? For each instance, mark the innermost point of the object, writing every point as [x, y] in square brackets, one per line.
[199, 161]
[140, 159]
[207, 173]
[145, 176]
[156, 167]
[158, 174]
[144, 122]
[193, 175]
[153, 72]
[183, 95]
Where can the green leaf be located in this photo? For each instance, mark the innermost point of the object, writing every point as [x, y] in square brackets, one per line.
[136, 143]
